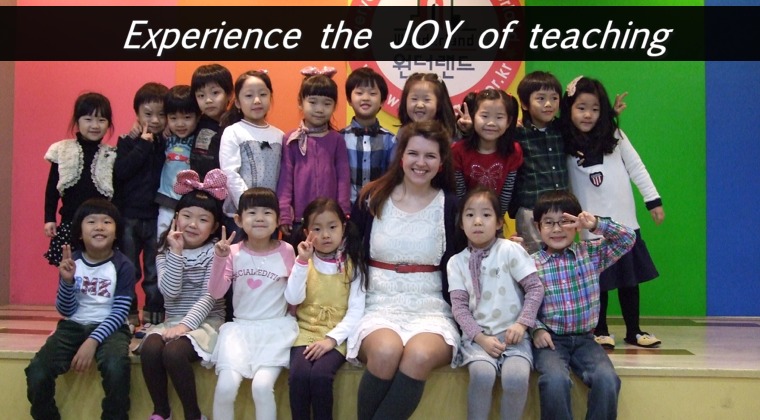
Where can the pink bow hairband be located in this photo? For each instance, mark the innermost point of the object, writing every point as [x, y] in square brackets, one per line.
[314, 71]
[215, 183]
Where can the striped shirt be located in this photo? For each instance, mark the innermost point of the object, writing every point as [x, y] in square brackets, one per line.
[544, 165]
[101, 293]
[183, 280]
[571, 278]
[368, 156]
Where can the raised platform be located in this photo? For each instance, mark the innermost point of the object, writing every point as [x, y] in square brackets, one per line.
[707, 368]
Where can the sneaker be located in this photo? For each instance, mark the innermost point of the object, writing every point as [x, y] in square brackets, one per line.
[157, 417]
[606, 341]
[644, 340]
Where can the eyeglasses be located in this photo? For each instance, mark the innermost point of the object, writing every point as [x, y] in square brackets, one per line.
[549, 224]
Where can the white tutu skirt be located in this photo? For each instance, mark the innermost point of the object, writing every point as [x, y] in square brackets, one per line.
[244, 346]
[203, 338]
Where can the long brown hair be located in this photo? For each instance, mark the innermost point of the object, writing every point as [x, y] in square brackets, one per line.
[378, 191]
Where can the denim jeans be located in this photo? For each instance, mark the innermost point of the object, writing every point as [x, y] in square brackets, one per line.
[590, 362]
[54, 358]
[140, 237]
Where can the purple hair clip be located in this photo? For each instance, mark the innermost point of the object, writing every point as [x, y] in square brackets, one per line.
[314, 71]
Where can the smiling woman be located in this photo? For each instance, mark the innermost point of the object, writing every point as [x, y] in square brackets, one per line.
[407, 316]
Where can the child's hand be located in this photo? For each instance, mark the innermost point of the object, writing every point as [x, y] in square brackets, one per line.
[316, 350]
[514, 333]
[285, 229]
[658, 215]
[83, 359]
[67, 267]
[174, 238]
[584, 220]
[175, 332]
[542, 339]
[167, 133]
[620, 105]
[306, 248]
[135, 131]
[464, 122]
[147, 136]
[490, 344]
[50, 229]
[222, 247]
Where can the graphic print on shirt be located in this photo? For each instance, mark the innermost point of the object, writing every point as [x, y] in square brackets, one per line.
[596, 178]
[488, 177]
[93, 286]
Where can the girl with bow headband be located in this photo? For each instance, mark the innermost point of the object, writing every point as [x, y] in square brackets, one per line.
[314, 159]
[193, 317]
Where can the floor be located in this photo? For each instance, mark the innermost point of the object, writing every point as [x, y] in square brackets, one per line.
[719, 346]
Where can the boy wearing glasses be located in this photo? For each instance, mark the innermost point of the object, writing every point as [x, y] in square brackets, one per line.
[563, 336]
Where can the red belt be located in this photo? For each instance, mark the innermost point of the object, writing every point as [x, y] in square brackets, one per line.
[404, 268]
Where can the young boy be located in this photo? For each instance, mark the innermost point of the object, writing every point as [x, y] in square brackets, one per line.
[211, 85]
[369, 145]
[95, 290]
[182, 114]
[137, 173]
[563, 337]
[544, 165]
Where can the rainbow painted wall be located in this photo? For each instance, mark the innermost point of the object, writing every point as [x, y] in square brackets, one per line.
[693, 123]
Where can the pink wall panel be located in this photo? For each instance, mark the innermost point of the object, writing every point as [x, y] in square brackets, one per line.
[44, 99]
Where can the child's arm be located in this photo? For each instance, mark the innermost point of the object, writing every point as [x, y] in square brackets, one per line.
[640, 176]
[285, 187]
[230, 162]
[170, 264]
[343, 173]
[221, 267]
[194, 317]
[295, 291]
[616, 241]
[65, 301]
[51, 200]
[461, 185]
[131, 155]
[356, 301]
[460, 299]
[534, 295]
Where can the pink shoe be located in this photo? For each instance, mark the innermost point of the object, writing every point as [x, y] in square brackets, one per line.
[157, 417]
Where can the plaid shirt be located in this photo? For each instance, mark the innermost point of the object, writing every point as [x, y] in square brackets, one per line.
[368, 156]
[544, 165]
[571, 278]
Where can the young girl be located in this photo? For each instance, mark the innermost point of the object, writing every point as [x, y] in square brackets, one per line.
[495, 294]
[251, 149]
[95, 290]
[80, 168]
[257, 344]
[193, 317]
[489, 156]
[601, 165]
[326, 284]
[315, 159]
[425, 98]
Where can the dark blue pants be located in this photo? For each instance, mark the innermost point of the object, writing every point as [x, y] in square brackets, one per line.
[311, 384]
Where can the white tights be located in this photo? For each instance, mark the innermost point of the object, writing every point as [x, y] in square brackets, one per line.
[262, 388]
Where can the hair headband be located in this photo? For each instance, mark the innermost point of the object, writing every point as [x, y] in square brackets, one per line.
[215, 183]
[314, 71]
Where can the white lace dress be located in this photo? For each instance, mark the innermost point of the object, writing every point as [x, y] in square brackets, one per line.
[409, 303]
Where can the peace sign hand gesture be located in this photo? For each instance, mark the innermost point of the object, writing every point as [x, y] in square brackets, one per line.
[174, 238]
[464, 123]
[222, 246]
[67, 267]
[146, 135]
[306, 248]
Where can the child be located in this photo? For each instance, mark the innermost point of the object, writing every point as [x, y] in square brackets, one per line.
[489, 156]
[212, 86]
[182, 114]
[369, 145]
[257, 344]
[543, 167]
[251, 148]
[314, 159]
[193, 316]
[490, 275]
[425, 98]
[137, 174]
[570, 271]
[94, 293]
[326, 285]
[80, 168]
[602, 163]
